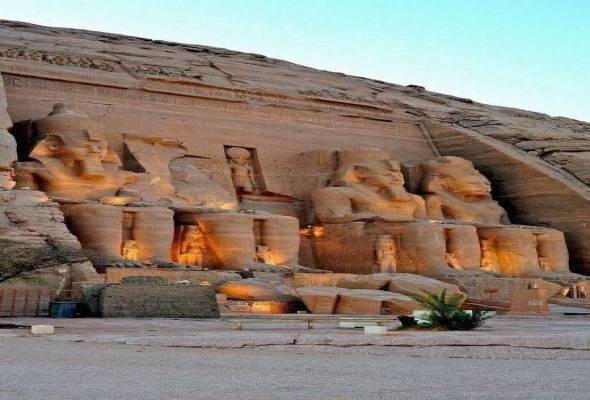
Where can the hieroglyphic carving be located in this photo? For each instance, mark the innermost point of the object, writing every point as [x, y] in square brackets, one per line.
[208, 94]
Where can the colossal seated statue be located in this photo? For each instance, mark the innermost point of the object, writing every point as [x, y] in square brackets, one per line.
[366, 201]
[455, 191]
[162, 207]
[367, 186]
[73, 159]
[463, 228]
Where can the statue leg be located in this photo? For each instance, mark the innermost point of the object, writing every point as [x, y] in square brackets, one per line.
[230, 237]
[98, 227]
[515, 249]
[552, 248]
[153, 228]
[463, 243]
[281, 235]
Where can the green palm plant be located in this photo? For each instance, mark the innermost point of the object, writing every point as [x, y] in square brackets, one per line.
[444, 312]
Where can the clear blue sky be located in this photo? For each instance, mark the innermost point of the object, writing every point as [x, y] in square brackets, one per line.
[531, 54]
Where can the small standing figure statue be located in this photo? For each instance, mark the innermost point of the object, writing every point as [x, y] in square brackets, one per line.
[242, 172]
[130, 250]
[385, 254]
[263, 254]
[489, 261]
[192, 246]
[453, 261]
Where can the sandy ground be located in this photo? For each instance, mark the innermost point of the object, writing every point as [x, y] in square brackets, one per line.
[30, 369]
[159, 359]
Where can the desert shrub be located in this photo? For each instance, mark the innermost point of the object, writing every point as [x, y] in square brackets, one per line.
[444, 311]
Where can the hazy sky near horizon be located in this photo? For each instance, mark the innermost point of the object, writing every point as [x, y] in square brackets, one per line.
[530, 54]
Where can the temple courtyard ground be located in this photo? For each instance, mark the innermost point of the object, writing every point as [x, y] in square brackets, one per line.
[512, 357]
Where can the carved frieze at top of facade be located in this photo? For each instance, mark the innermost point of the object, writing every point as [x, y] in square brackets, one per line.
[95, 63]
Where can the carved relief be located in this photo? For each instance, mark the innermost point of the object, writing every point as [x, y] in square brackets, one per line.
[71, 60]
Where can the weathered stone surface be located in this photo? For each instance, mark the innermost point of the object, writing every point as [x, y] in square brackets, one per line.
[7, 143]
[349, 281]
[500, 288]
[29, 216]
[213, 278]
[170, 301]
[334, 300]
[415, 284]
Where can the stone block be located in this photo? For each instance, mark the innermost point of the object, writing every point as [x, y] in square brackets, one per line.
[375, 330]
[165, 301]
[42, 329]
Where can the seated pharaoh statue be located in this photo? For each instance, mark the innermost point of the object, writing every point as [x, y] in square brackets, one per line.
[456, 192]
[367, 205]
[457, 227]
[161, 207]
[72, 159]
[367, 186]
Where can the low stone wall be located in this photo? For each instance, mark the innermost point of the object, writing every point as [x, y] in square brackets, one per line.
[151, 300]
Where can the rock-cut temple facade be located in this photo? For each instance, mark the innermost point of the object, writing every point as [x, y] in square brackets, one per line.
[144, 153]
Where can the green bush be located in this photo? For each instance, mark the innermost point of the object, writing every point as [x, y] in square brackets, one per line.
[445, 312]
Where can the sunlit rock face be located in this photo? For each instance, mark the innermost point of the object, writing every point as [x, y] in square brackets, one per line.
[215, 159]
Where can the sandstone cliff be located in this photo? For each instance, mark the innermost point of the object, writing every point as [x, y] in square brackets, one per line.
[539, 165]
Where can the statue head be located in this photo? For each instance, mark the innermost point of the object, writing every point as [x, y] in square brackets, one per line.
[74, 139]
[191, 233]
[379, 175]
[384, 242]
[370, 167]
[239, 155]
[453, 175]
